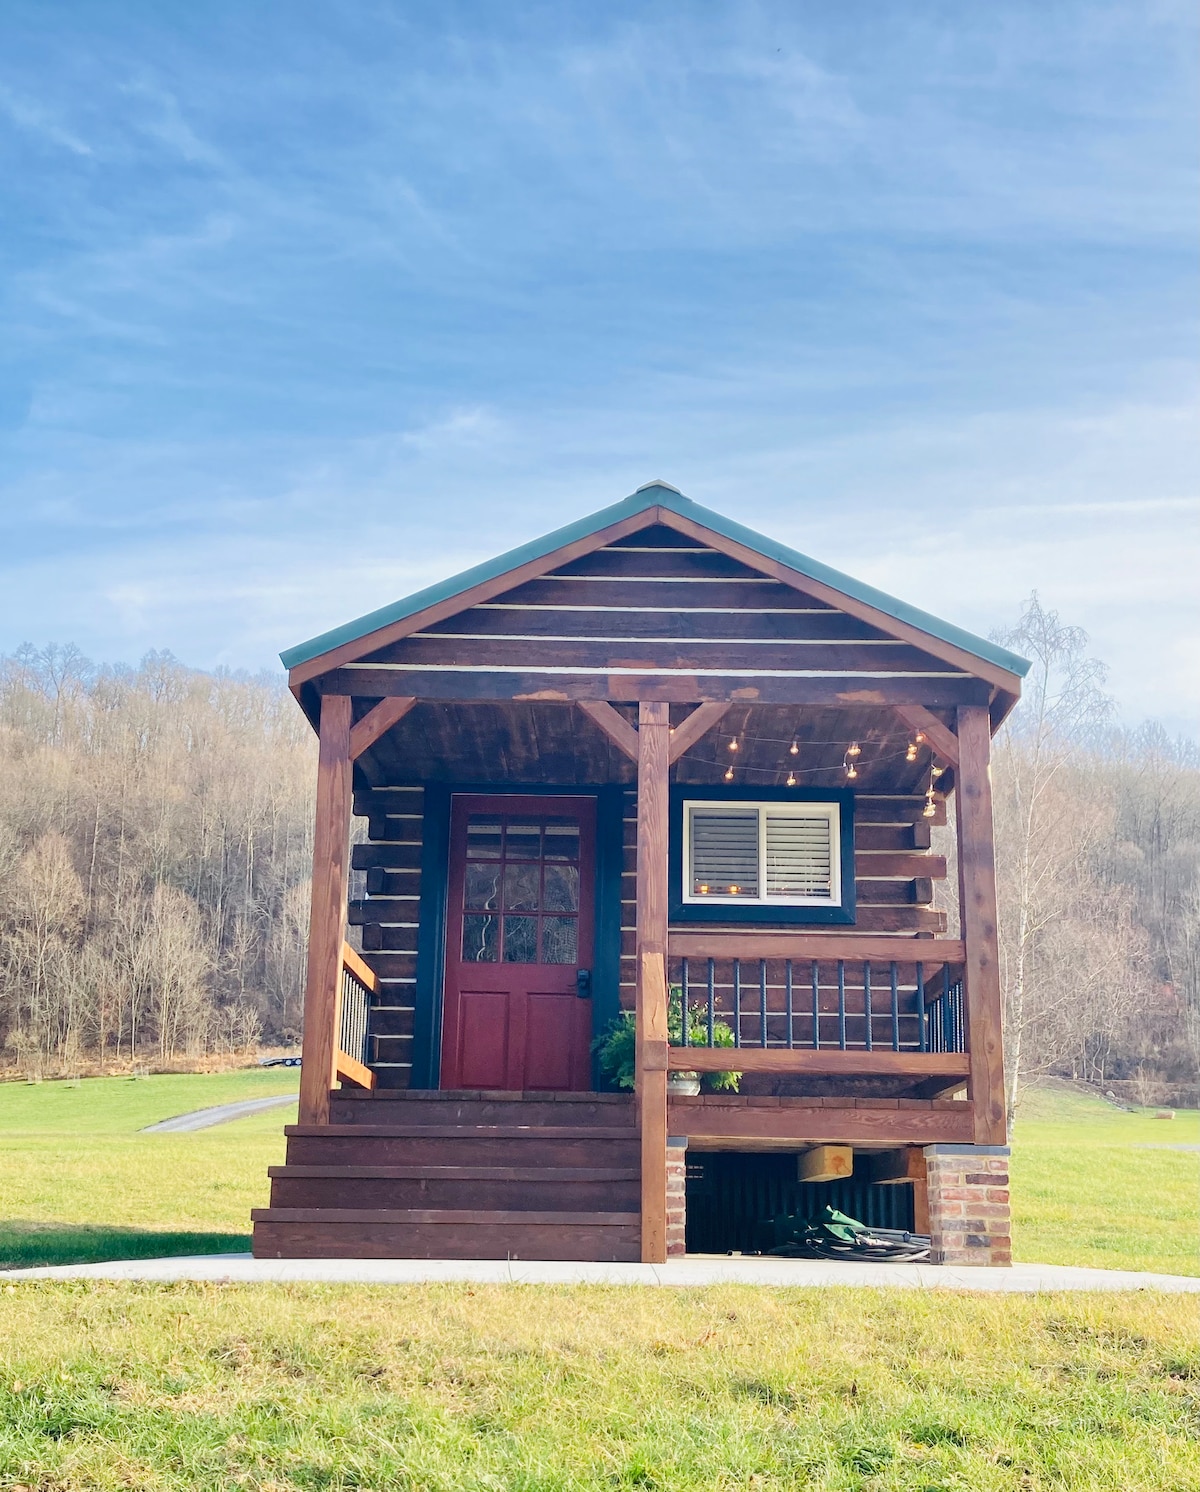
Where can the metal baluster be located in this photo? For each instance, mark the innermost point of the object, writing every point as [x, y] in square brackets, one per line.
[816, 994]
[842, 1004]
[762, 1001]
[787, 968]
[947, 1013]
[712, 1000]
[683, 1037]
[868, 1013]
[922, 1036]
[895, 1007]
[737, 1002]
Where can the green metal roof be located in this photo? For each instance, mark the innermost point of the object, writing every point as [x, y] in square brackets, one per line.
[656, 495]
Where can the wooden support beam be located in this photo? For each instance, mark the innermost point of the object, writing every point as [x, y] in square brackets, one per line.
[825, 1163]
[698, 724]
[613, 724]
[378, 722]
[940, 737]
[654, 727]
[977, 913]
[712, 1125]
[891, 1167]
[326, 926]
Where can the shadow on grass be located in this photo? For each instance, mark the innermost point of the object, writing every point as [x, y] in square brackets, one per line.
[27, 1245]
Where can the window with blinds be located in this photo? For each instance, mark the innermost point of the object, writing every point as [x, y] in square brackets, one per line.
[764, 853]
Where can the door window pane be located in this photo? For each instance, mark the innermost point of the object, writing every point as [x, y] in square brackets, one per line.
[521, 887]
[560, 940]
[482, 887]
[483, 838]
[562, 839]
[524, 839]
[520, 940]
[562, 888]
[481, 939]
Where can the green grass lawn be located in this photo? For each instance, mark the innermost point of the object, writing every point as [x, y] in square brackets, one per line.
[1094, 1185]
[517, 1389]
[78, 1182]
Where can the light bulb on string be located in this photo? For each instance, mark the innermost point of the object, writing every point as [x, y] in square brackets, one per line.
[930, 809]
[733, 743]
[911, 754]
[791, 779]
[729, 773]
[851, 769]
[853, 750]
[794, 748]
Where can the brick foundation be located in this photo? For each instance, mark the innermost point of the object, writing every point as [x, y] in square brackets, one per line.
[969, 1220]
[676, 1197]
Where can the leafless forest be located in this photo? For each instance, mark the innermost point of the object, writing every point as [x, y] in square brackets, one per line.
[154, 861]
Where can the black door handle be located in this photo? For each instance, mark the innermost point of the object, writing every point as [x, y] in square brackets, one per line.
[583, 983]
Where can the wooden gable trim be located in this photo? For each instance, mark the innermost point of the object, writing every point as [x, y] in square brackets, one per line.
[999, 678]
[357, 648]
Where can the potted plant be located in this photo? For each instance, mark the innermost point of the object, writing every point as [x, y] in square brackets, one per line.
[616, 1047]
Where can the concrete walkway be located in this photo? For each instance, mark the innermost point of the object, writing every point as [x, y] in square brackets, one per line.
[693, 1271]
[221, 1113]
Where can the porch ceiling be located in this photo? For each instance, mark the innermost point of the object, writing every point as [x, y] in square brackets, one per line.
[552, 744]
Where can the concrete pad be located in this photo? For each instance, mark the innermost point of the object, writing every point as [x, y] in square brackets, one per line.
[697, 1270]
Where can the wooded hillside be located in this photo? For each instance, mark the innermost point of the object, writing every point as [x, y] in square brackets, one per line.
[155, 851]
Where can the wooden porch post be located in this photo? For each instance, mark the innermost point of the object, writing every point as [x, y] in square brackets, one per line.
[652, 819]
[977, 911]
[326, 926]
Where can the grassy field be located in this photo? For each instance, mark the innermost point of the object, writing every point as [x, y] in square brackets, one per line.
[1091, 1184]
[1094, 1185]
[79, 1182]
[513, 1389]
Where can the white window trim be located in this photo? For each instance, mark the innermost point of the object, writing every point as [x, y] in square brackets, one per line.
[829, 810]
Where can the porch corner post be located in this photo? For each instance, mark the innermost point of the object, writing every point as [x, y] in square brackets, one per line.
[977, 911]
[654, 731]
[327, 919]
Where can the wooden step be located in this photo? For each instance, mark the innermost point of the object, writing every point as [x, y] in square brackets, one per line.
[494, 1188]
[602, 1110]
[437, 1145]
[436, 1233]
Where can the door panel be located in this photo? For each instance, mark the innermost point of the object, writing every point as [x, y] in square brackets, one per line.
[519, 929]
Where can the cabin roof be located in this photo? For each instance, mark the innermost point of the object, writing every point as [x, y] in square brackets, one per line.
[655, 498]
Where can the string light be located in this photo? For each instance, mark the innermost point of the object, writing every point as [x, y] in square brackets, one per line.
[729, 773]
[794, 748]
[733, 743]
[911, 754]
[853, 750]
[930, 809]
[791, 779]
[851, 769]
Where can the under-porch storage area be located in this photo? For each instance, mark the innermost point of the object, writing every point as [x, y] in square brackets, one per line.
[734, 1198]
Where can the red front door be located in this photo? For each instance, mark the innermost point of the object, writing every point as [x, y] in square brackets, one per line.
[518, 1012]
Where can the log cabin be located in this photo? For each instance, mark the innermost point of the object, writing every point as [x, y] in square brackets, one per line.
[652, 763]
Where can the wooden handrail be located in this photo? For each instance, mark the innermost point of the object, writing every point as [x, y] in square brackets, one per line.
[361, 970]
[686, 943]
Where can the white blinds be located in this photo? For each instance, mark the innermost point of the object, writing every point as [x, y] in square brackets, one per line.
[725, 852]
[799, 855]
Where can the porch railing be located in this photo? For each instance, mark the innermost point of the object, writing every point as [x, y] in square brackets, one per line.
[816, 1003]
[356, 992]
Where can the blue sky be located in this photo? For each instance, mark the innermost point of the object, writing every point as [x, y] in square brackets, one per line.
[303, 306]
